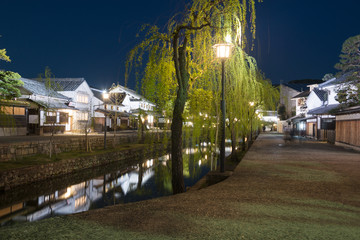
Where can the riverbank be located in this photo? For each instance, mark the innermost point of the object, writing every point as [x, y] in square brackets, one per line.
[40, 167]
[304, 190]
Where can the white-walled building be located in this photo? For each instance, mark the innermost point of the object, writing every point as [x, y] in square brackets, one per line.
[48, 110]
[133, 103]
[321, 100]
[82, 98]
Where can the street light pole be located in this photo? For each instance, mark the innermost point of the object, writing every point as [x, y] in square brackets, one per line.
[250, 118]
[223, 53]
[105, 96]
[223, 111]
[105, 132]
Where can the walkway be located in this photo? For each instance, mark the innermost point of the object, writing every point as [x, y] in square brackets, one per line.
[298, 190]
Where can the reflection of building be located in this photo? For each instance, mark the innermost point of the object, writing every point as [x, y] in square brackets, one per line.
[78, 197]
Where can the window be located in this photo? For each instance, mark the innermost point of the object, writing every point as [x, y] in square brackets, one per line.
[13, 110]
[19, 111]
[64, 117]
[7, 110]
[82, 98]
[50, 117]
[83, 116]
[50, 113]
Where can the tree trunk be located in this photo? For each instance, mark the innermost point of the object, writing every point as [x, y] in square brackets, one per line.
[176, 145]
[243, 144]
[233, 144]
[182, 76]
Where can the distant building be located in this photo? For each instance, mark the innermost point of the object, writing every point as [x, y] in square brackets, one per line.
[110, 107]
[321, 101]
[291, 89]
[292, 105]
[133, 103]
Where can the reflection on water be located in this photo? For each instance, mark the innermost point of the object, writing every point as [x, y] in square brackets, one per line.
[149, 179]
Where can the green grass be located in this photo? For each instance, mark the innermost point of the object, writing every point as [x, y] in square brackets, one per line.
[307, 171]
[307, 220]
[69, 228]
[40, 159]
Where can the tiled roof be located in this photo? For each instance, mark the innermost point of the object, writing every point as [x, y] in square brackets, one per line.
[349, 110]
[68, 84]
[38, 88]
[322, 109]
[335, 81]
[53, 104]
[97, 93]
[322, 95]
[301, 85]
[297, 87]
[302, 94]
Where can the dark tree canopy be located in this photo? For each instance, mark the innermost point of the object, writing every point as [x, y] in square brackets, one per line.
[349, 92]
[9, 81]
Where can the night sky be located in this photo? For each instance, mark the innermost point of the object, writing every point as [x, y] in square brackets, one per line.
[295, 39]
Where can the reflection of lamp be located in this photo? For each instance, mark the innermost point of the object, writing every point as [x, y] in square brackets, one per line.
[223, 52]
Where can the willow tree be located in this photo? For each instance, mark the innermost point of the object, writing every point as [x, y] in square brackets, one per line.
[182, 56]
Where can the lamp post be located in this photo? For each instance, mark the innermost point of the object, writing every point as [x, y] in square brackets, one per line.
[251, 105]
[222, 53]
[105, 96]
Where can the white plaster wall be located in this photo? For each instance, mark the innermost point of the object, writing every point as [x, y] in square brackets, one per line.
[332, 94]
[313, 101]
[96, 103]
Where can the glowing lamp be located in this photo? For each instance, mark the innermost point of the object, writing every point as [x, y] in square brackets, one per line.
[223, 50]
[105, 95]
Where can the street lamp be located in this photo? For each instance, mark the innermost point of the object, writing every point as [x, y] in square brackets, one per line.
[223, 52]
[105, 96]
[251, 105]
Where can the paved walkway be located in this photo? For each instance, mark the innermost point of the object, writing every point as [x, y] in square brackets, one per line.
[298, 190]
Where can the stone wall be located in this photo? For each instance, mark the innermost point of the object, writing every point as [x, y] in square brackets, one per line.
[20, 131]
[13, 151]
[16, 177]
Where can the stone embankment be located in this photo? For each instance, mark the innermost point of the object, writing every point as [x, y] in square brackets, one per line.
[20, 176]
[12, 151]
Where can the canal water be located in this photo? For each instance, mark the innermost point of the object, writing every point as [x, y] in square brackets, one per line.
[102, 186]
